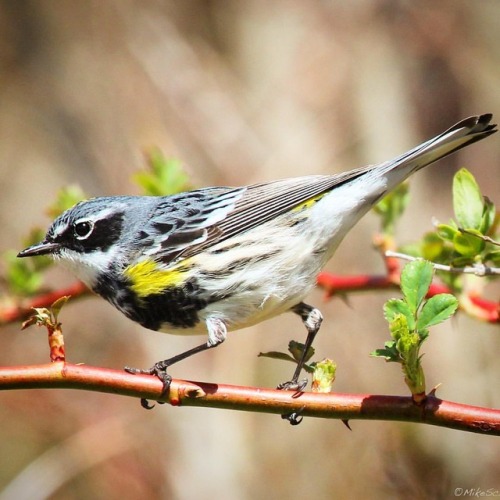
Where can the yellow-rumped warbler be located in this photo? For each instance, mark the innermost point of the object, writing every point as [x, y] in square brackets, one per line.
[223, 258]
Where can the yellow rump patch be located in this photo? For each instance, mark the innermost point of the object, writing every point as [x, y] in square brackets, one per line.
[148, 279]
[308, 203]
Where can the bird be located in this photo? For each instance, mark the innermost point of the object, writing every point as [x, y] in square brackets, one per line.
[217, 259]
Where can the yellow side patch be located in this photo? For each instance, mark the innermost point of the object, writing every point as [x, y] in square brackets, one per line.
[148, 279]
[308, 203]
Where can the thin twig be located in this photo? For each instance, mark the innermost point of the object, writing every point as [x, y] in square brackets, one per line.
[476, 269]
[481, 237]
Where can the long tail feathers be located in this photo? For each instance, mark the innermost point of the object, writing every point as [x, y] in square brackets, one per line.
[465, 132]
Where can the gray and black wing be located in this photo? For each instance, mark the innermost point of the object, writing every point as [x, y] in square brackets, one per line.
[185, 224]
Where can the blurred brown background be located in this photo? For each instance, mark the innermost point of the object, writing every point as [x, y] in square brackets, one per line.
[240, 92]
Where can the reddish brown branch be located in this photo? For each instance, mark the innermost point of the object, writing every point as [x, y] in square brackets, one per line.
[333, 284]
[337, 284]
[432, 411]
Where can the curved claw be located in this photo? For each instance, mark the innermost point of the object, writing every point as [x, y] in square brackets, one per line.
[294, 417]
[293, 385]
[159, 370]
[145, 404]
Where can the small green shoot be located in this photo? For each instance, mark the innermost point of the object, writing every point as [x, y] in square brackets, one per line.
[409, 321]
[323, 376]
[49, 318]
[165, 177]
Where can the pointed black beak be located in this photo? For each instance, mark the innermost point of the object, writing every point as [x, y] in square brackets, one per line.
[42, 248]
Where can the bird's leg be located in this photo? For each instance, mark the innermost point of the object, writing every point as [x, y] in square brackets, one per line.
[217, 333]
[312, 319]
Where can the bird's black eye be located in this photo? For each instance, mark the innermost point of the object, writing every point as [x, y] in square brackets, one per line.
[83, 229]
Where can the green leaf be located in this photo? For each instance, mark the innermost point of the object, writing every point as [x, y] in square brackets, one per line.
[392, 206]
[23, 280]
[166, 176]
[468, 244]
[277, 355]
[467, 200]
[416, 279]
[493, 257]
[423, 334]
[297, 348]
[58, 305]
[462, 261]
[395, 307]
[489, 214]
[389, 353]
[432, 247]
[446, 232]
[436, 310]
[22, 276]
